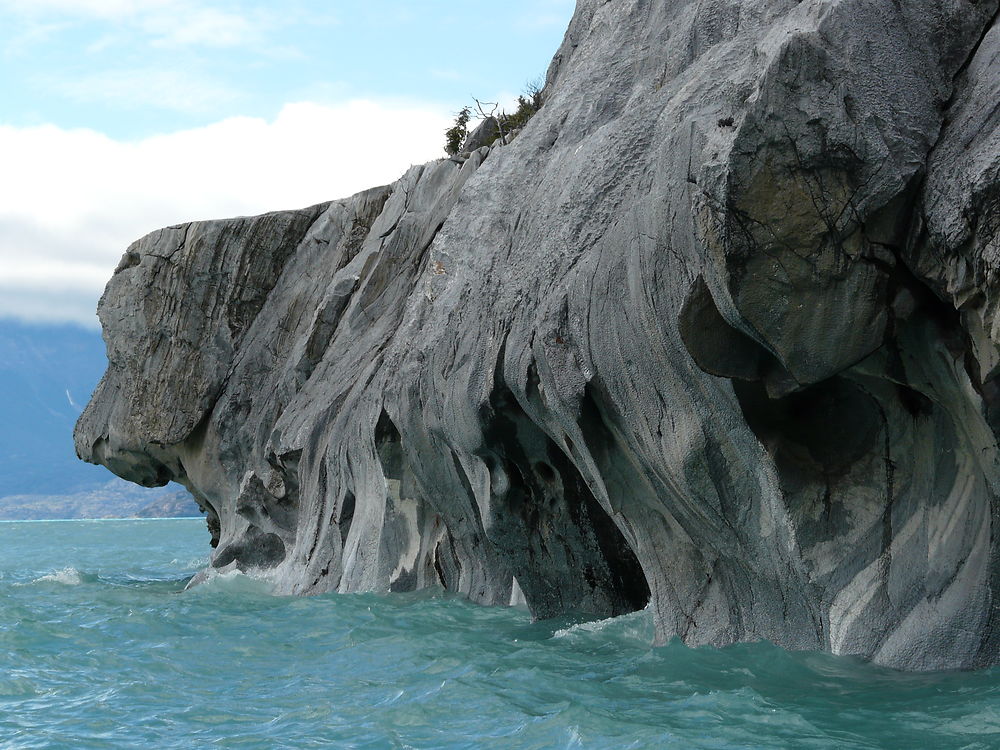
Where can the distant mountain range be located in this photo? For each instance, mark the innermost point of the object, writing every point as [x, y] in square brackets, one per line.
[116, 499]
[47, 374]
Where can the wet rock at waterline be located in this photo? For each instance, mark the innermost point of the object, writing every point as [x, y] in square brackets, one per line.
[717, 331]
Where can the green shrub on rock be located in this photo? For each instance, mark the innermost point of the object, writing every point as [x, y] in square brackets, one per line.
[528, 104]
[455, 135]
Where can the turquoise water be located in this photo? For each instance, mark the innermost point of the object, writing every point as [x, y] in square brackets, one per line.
[102, 649]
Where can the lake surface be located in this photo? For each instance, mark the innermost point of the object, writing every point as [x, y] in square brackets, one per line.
[100, 647]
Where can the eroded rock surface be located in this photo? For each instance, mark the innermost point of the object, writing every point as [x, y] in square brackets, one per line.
[717, 331]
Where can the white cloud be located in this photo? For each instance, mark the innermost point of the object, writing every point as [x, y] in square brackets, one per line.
[207, 27]
[32, 33]
[106, 9]
[166, 23]
[71, 201]
[140, 88]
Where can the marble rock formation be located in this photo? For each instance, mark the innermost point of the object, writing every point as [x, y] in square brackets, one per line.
[718, 332]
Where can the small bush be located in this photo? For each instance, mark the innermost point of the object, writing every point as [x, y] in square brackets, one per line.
[528, 104]
[455, 135]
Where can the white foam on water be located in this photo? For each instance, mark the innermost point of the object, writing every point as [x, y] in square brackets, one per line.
[595, 626]
[637, 625]
[66, 576]
[229, 581]
[575, 739]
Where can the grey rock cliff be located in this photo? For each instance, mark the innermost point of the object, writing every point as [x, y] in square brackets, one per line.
[718, 331]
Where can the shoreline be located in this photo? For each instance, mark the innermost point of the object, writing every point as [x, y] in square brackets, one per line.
[96, 520]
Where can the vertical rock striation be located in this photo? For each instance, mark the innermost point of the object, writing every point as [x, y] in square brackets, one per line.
[717, 332]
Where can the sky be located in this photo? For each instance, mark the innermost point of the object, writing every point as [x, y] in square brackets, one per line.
[118, 117]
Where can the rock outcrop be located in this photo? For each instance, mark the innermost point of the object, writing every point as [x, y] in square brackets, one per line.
[719, 331]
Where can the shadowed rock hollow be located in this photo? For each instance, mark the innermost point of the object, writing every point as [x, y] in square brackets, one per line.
[717, 331]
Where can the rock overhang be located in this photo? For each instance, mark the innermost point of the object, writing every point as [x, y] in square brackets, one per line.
[705, 334]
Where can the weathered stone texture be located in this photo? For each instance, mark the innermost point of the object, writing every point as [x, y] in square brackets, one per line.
[718, 331]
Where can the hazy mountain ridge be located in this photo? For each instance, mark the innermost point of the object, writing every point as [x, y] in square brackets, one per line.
[114, 500]
[47, 373]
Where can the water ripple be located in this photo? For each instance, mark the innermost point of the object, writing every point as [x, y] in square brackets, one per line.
[102, 648]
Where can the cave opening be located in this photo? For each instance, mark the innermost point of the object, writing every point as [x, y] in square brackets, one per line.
[566, 552]
[345, 516]
[829, 425]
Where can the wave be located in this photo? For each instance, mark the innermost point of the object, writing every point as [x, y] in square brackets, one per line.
[67, 576]
[636, 626]
[231, 581]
